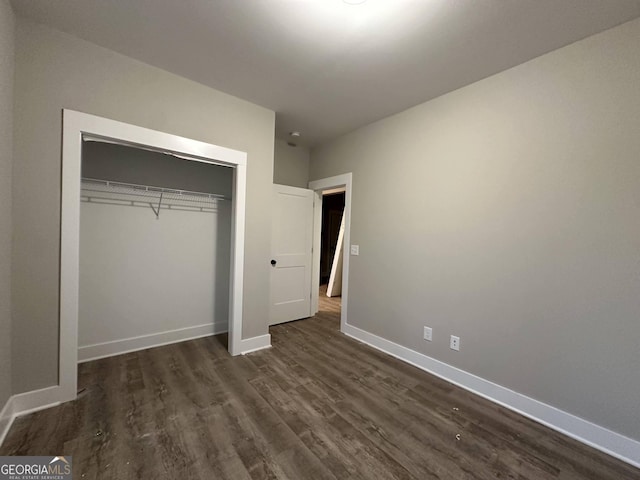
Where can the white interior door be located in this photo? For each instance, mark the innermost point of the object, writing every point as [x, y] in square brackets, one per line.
[291, 244]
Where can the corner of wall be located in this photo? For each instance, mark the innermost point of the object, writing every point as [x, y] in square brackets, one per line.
[7, 69]
[290, 164]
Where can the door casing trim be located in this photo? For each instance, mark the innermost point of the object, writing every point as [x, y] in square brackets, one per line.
[75, 126]
[318, 186]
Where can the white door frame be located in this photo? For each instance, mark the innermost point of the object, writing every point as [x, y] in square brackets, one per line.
[76, 125]
[318, 186]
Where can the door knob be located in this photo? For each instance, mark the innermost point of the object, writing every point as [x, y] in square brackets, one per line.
[273, 262]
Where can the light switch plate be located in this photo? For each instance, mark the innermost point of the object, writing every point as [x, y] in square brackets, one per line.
[428, 334]
[355, 249]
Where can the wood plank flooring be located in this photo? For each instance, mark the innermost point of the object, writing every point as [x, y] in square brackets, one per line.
[317, 405]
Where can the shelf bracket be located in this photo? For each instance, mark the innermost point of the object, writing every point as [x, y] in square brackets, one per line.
[157, 212]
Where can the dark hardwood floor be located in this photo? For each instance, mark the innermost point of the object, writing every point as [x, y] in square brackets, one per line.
[317, 405]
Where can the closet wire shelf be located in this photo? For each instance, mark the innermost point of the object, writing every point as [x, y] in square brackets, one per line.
[158, 198]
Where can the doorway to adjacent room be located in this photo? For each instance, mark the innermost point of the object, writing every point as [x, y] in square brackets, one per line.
[331, 248]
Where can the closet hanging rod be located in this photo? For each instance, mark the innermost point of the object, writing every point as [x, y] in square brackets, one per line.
[152, 189]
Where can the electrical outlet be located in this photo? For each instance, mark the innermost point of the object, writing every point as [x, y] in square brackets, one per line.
[428, 334]
[454, 344]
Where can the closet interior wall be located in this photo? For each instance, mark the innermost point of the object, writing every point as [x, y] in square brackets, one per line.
[155, 247]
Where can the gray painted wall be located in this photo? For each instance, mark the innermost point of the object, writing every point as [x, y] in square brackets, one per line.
[6, 155]
[291, 165]
[56, 71]
[508, 213]
[106, 161]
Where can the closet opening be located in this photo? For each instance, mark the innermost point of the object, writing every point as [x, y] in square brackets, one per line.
[155, 249]
[166, 201]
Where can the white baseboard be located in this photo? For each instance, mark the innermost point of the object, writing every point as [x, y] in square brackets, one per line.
[134, 344]
[25, 403]
[6, 419]
[253, 344]
[607, 441]
[29, 402]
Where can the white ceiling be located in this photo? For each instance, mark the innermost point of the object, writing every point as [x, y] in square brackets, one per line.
[324, 66]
